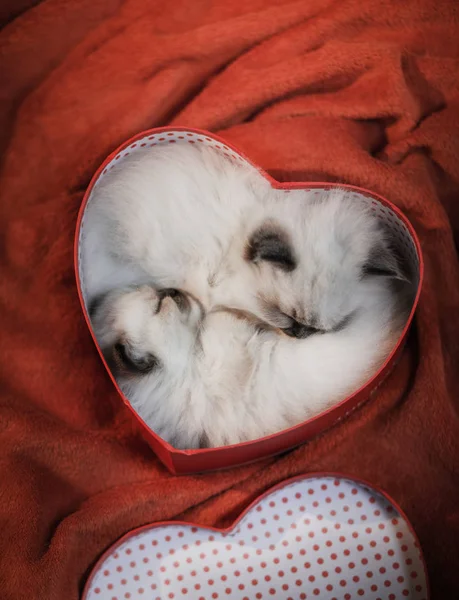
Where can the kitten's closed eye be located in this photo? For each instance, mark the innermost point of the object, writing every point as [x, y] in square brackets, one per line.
[384, 262]
[128, 360]
[300, 331]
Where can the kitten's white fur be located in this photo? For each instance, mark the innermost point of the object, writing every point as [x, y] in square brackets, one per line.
[222, 381]
[214, 205]
[171, 215]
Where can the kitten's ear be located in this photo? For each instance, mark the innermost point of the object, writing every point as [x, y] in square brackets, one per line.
[272, 244]
[384, 262]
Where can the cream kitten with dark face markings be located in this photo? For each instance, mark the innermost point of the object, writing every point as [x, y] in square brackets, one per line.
[186, 217]
[210, 379]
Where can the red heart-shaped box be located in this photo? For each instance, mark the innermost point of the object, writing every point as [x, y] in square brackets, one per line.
[191, 461]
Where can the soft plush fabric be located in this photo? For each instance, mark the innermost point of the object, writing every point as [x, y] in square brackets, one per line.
[340, 90]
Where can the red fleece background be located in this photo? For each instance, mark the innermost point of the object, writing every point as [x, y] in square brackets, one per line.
[341, 90]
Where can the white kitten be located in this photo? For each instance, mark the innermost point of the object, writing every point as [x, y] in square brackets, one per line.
[187, 217]
[217, 379]
[170, 215]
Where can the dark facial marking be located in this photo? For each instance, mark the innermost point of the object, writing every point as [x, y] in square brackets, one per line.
[127, 360]
[271, 243]
[300, 331]
[95, 305]
[382, 262]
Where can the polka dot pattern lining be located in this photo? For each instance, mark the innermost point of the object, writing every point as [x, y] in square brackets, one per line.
[321, 537]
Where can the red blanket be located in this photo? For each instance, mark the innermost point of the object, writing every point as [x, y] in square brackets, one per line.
[341, 90]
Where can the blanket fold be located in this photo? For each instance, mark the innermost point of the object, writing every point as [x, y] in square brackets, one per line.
[366, 93]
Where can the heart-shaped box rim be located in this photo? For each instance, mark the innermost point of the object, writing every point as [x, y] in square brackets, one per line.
[205, 459]
[249, 508]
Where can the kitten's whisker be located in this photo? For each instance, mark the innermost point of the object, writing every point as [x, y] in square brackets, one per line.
[245, 315]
